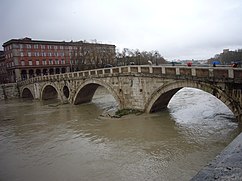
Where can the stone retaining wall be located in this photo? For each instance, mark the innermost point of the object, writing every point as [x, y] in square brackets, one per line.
[226, 166]
[9, 91]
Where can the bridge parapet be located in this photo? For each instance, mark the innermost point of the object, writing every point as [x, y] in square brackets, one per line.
[215, 74]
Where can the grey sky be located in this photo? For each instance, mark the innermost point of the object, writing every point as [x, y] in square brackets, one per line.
[178, 29]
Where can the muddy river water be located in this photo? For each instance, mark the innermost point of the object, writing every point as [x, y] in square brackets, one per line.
[46, 141]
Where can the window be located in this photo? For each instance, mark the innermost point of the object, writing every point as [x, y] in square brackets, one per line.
[42, 46]
[20, 46]
[21, 54]
[44, 62]
[30, 62]
[29, 54]
[61, 47]
[62, 61]
[36, 46]
[28, 46]
[49, 46]
[55, 47]
[50, 62]
[22, 63]
[50, 54]
[36, 54]
[12, 64]
[37, 62]
[56, 61]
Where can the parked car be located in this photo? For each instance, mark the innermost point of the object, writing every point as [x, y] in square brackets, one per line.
[108, 66]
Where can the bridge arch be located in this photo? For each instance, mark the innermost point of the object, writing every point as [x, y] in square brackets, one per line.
[26, 93]
[86, 91]
[49, 91]
[161, 97]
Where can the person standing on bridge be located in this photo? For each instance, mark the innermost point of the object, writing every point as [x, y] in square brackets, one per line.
[189, 64]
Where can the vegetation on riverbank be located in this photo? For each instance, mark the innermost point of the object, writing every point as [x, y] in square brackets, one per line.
[124, 112]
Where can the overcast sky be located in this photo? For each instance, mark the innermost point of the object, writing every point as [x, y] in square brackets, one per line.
[178, 29]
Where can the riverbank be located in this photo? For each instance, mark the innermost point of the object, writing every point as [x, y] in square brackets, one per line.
[226, 166]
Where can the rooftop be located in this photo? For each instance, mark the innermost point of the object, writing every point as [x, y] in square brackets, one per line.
[28, 40]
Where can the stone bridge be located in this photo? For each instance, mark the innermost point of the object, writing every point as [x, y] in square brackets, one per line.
[145, 88]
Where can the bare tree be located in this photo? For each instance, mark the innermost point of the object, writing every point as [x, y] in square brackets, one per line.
[128, 56]
[91, 55]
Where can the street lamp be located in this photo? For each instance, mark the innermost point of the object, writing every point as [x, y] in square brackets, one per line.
[156, 62]
[139, 60]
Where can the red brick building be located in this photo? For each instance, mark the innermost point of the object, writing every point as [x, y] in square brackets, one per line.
[26, 58]
[3, 70]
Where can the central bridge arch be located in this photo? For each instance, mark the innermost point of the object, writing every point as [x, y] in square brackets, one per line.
[86, 91]
[161, 97]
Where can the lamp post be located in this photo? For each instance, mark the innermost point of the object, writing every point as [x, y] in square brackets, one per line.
[156, 62]
[139, 60]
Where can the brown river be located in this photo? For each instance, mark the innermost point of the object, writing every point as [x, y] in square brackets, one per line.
[45, 141]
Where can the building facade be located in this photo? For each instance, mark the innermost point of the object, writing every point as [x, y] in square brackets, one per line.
[26, 58]
[3, 71]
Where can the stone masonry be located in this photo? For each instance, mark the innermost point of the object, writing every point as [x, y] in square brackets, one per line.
[9, 91]
[144, 88]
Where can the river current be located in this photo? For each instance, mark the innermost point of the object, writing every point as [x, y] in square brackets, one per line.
[48, 141]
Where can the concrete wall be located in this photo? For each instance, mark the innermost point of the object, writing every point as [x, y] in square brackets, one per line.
[9, 91]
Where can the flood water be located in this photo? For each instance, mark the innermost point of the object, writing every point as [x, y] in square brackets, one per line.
[46, 141]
